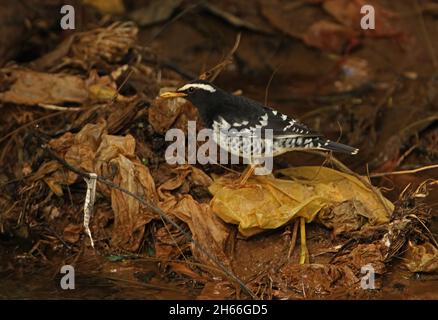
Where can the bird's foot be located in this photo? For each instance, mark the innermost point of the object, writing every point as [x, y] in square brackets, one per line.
[304, 252]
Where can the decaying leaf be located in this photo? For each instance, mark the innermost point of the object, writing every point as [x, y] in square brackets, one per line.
[30, 88]
[72, 233]
[422, 258]
[362, 255]
[156, 11]
[94, 47]
[270, 203]
[329, 36]
[166, 113]
[348, 216]
[93, 150]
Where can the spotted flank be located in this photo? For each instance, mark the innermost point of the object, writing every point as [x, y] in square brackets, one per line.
[282, 145]
[243, 137]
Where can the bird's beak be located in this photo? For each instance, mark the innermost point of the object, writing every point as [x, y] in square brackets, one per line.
[172, 94]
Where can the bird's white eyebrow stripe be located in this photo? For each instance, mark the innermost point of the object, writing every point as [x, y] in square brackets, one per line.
[202, 86]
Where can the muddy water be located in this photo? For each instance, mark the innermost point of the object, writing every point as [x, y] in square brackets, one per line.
[24, 277]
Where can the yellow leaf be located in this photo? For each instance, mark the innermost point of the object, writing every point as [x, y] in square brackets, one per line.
[269, 203]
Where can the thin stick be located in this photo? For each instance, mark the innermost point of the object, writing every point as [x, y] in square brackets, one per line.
[269, 85]
[58, 108]
[393, 173]
[293, 241]
[219, 67]
[30, 123]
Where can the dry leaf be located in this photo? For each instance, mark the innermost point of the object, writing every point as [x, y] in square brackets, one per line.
[72, 233]
[206, 229]
[156, 11]
[30, 88]
[422, 258]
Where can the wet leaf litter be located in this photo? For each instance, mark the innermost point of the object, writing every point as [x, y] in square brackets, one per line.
[92, 101]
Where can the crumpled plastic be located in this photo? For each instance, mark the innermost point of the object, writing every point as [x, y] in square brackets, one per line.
[269, 203]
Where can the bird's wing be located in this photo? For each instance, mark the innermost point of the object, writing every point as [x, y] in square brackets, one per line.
[284, 126]
[257, 123]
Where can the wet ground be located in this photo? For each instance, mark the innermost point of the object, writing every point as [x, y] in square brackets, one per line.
[388, 106]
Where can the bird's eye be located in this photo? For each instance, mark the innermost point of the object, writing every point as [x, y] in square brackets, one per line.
[191, 90]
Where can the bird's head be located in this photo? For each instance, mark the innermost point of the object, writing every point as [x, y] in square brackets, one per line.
[198, 92]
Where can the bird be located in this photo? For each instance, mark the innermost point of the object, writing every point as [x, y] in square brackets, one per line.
[225, 113]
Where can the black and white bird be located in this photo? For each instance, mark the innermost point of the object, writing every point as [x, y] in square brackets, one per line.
[223, 112]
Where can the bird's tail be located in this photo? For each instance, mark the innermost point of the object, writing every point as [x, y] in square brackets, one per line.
[338, 147]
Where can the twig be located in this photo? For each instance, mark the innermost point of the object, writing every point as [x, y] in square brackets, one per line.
[294, 239]
[269, 85]
[157, 211]
[58, 108]
[219, 67]
[404, 155]
[30, 123]
[406, 129]
[393, 173]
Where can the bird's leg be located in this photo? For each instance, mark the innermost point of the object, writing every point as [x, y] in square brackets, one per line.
[304, 253]
[246, 174]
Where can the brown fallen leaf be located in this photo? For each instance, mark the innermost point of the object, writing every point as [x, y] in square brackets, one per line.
[30, 88]
[72, 233]
[290, 18]
[163, 113]
[183, 174]
[348, 216]
[130, 215]
[93, 150]
[362, 255]
[346, 12]
[206, 228]
[98, 46]
[422, 258]
[329, 36]
[155, 11]
[312, 280]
